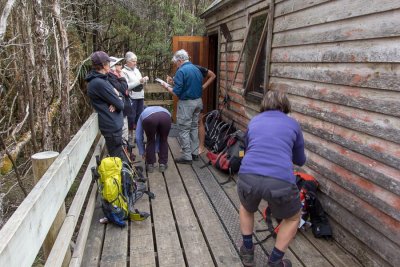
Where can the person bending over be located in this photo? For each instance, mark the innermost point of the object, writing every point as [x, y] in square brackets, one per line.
[274, 143]
[155, 122]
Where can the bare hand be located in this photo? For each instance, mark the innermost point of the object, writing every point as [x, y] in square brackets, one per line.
[170, 80]
[144, 79]
[112, 108]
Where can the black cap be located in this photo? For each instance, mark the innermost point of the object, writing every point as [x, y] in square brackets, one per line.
[100, 57]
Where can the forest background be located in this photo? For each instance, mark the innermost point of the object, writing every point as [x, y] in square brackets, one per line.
[45, 48]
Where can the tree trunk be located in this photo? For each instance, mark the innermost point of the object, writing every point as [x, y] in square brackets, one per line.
[65, 86]
[29, 64]
[96, 19]
[44, 92]
[4, 16]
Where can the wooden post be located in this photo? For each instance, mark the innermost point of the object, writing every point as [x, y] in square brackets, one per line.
[40, 163]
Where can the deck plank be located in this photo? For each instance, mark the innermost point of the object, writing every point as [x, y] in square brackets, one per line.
[94, 243]
[115, 248]
[167, 239]
[222, 249]
[194, 244]
[331, 250]
[141, 238]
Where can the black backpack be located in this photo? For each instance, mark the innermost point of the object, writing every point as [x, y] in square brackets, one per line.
[222, 134]
[212, 120]
[311, 211]
[230, 158]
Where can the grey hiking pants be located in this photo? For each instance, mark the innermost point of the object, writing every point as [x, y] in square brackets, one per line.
[188, 118]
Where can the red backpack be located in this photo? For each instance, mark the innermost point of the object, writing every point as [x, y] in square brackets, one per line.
[230, 158]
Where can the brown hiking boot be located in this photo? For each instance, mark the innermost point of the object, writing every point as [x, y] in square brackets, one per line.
[247, 256]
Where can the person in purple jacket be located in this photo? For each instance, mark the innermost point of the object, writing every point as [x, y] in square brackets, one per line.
[274, 144]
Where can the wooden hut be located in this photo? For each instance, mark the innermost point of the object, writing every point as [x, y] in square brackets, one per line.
[339, 63]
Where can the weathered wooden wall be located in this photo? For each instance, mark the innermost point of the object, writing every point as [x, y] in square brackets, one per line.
[339, 63]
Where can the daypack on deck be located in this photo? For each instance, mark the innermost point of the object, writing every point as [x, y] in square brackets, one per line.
[311, 207]
[311, 210]
[229, 159]
[120, 185]
[114, 204]
[212, 119]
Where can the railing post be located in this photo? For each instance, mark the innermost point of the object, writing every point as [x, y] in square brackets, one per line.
[40, 163]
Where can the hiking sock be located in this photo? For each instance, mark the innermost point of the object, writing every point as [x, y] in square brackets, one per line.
[276, 255]
[248, 241]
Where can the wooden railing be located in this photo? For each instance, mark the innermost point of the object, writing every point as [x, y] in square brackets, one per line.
[22, 236]
[154, 89]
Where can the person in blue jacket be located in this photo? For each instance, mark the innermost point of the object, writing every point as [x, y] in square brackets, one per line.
[274, 144]
[107, 102]
[155, 121]
[188, 81]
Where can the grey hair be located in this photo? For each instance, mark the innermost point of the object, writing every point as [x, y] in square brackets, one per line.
[129, 56]
[180, 55]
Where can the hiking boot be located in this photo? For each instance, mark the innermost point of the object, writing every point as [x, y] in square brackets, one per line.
[150, 168]
[183, 161]
[247, 256]
[195, 157]
[162, 167]
[281, 263]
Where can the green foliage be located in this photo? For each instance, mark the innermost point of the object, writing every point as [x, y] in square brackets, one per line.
[147, 28]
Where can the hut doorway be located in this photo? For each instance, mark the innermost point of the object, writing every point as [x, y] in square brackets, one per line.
[202, 51]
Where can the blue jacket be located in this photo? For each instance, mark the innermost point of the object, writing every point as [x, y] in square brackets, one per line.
[188, 81]
[102, 95]
[274, 143]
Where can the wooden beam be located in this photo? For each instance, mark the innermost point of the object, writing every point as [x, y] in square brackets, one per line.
[268, 45]
[374, 26]
[376, 50]
[332, 11]
[61, 245]
[383, 76]
[158, 102]
[375, 148]
[375, 124]
[361, 98]
[77, 256]
[40, 164]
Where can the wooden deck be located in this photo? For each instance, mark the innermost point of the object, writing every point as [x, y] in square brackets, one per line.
[194, 222]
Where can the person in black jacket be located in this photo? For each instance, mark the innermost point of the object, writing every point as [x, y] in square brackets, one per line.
[116, 78]
[107, 101]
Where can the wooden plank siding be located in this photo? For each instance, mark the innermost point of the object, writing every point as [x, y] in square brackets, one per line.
[339, 63]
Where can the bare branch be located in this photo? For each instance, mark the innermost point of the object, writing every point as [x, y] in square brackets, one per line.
[19, 125]
[14, 165]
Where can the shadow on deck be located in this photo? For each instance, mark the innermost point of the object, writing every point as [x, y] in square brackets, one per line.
[194, 222]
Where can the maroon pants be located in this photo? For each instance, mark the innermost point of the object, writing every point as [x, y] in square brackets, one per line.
[157, 126]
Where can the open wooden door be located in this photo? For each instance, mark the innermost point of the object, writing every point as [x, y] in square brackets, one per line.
[197, 47]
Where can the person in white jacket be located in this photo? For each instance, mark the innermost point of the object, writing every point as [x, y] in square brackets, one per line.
[136, 92]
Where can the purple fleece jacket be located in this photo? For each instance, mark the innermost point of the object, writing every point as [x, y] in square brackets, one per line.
[274, 143]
